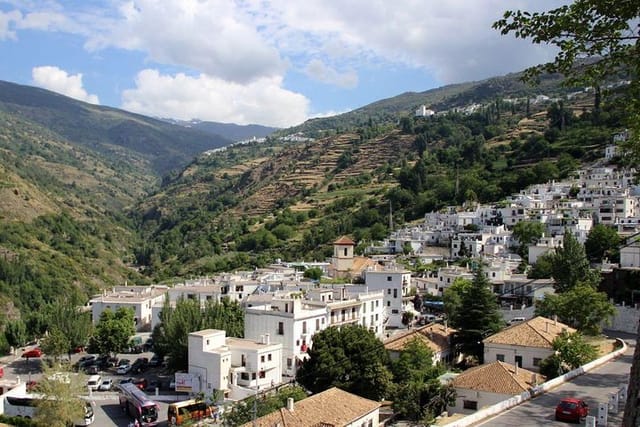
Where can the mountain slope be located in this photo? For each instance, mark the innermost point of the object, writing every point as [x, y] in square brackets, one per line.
[119, 135]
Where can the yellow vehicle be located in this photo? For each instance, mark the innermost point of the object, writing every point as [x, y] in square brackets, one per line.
[188, 410]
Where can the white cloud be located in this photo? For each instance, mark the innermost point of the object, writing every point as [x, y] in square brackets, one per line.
[318, 70]
[263, 101]
[211, 36]
[6, 20]
[57, 80]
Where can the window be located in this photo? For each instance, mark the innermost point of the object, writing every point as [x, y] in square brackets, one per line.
[388, 303]
[280, 328]
[262, 358]
[395, 293]
[239, 288]
[269, 357]
[289, 363]
[389, 291]
[244, 375]
[262, 375]
[470, 404]
[536, 361]
[500, 357]
[346, 252]
[394, 311]
[377, 301]
[304, 327]
[389, 278]
[317, 324]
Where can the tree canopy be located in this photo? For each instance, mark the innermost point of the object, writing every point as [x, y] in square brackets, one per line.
[60, 406]
[351, 358]
[605, 33]
[478, 316]
[113, 331]
[602, 242]
[581, 307]
[570, 266]
[570, 351]
[170, 337]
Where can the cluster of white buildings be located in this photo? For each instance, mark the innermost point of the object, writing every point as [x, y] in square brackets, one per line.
[284, 310]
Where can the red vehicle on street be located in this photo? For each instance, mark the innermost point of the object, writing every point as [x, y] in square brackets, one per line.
[36, 352]
[571, 409]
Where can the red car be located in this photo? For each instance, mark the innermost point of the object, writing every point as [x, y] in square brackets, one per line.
[36, 352]
[571, 409]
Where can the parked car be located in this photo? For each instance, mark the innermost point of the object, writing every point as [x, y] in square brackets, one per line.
[124, 361]
[517, 320]
[571, 409]
[36, 352]
[87, 360]
[126, 380]
[151, 387]
[106, 385]
[106, 361]
[94, 382]
[139, 365]
[91, 369]
[155, 360]
[123, 369]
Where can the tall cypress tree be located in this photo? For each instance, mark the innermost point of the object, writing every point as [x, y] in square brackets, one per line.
[479, 316]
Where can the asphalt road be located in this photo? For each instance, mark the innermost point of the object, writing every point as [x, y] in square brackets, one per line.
[594, 387]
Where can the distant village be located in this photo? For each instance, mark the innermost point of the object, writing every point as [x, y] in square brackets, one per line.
[283, 309]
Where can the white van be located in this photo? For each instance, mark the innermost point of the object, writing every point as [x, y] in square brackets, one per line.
[94, 382]
[517, 320]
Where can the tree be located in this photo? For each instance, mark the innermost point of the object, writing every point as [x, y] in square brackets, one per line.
[527, 233]
[417, 392]
[243, 411]
[74, 324]
[478, 317]
[313, 273]
[60, 406]
[596, 29]
[452, 298]
[55, 343]
[570, 266]
[582, 307]
[351, 358]
[570, 352]
[16, 333]
[602, 242]
[113, 331]
[543, 267]
[170, 337]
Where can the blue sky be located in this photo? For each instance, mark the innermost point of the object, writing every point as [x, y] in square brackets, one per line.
[268, 62]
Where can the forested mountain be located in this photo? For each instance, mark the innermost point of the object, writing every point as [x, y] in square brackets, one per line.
[93, 196]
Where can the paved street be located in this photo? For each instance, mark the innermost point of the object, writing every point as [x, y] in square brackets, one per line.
[593, 387]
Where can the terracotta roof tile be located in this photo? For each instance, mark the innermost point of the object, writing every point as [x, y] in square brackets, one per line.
[434, 335]
[537, 332]
[332, 407]
[344, 240]
[497, 377]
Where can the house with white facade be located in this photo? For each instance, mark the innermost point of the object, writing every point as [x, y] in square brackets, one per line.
[398, 291]
[140, 299]
[524, 344]
[488, 384]
[330, 408]
[292, 319]
[423, 111]
[630, 254]
[236, 366]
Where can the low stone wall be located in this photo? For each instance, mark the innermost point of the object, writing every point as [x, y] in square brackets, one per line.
[625, 320]
[542, 388]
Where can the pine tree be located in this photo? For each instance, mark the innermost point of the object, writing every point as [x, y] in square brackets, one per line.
[478, 316]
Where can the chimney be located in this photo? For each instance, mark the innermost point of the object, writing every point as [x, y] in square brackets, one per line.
[546, 327]
[267, 339]
[290, 404]
[555, 320]
[516, 370]
[262, 339]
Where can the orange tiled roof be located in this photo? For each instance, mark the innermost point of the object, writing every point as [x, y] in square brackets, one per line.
[497, 377]
[333, 407]
[344, 240]
[537, 332]
[434, 335]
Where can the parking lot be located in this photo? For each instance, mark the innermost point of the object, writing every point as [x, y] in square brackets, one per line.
[107, 408]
